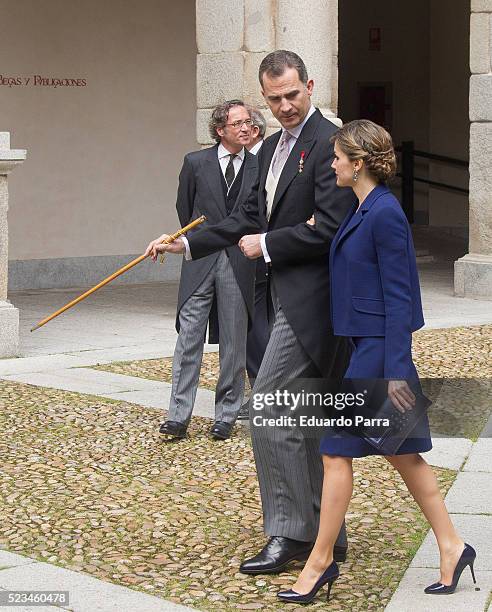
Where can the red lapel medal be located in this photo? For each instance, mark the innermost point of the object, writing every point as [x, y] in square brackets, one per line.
[301, 161]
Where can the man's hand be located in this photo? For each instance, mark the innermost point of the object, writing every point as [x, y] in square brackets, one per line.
[155, 247]
[149, 250]
[251, 246]
[401, 395]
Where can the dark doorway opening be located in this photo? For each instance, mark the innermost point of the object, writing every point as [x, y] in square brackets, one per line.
[405, 65]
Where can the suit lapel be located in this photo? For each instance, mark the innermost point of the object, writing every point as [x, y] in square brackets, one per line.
[268, 150]
[341, 231]
[291, 169]
[249, 173]
[344, 224]
[359, 215]
[354, 221]
[213, 172]
[269, 147]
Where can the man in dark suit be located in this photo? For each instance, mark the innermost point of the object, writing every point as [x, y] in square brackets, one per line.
[259, 332]
[258, 130]
[212, 182]
[295, 181]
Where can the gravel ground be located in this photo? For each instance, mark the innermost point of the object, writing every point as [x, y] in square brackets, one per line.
[461, 357]
[457, 352]
[161, 369]
[88, 484]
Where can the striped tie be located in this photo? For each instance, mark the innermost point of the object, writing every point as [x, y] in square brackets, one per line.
[282, 154]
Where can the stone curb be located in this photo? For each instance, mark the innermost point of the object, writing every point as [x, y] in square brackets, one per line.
[469, 502]
[86, 594]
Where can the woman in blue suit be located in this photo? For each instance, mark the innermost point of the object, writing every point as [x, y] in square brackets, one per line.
[376, 302]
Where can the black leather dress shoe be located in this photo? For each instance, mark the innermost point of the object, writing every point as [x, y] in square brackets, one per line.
[243, 414]
[276, 555]
[173, 429]
[221, 430]
[340, 554]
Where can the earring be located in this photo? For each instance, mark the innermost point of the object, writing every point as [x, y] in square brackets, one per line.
[355, 176]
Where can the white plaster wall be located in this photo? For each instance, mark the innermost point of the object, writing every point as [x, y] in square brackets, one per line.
[103, 160]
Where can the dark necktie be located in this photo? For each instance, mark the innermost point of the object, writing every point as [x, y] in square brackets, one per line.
[229, 173]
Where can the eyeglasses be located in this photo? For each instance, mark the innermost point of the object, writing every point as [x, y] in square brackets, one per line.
[238, 124]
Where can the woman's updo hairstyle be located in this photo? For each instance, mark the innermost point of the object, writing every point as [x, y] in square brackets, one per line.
[363, 139]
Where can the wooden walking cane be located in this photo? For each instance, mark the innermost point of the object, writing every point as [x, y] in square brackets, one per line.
[122, 270]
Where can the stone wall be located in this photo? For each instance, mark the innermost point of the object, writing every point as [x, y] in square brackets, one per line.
[473, 272]
[233, 38]
[9, 316]
[449, 126]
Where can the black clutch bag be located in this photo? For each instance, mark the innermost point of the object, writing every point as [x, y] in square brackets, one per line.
[389, 427]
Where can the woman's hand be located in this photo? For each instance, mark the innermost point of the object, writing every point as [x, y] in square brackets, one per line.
[401, 395]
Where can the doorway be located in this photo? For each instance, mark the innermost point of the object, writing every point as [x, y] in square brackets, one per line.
[405, 65]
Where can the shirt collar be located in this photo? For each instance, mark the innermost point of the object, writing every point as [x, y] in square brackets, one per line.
[296, 131]
[223, 152]
[254, 150]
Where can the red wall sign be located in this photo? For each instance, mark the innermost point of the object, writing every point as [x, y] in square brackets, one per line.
[374, 39]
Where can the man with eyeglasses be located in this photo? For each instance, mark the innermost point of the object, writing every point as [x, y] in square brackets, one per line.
[219, 287]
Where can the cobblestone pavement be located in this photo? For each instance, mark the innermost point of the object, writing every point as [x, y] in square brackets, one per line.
[88, 484]
[456, 352]
[93, 503]
[461, 355]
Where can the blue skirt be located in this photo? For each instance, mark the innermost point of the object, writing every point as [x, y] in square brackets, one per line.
[367, 361]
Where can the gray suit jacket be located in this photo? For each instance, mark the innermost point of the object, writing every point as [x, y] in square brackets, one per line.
[200, 192]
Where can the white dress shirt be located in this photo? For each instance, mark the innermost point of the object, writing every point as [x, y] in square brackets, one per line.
[224, 157]
[254, 150]
[295, 133]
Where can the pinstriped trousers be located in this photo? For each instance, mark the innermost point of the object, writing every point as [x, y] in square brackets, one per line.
[233, 328]
[289, 464]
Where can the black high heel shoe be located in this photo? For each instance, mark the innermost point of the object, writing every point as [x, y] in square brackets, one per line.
[468, 557]
[329, 576]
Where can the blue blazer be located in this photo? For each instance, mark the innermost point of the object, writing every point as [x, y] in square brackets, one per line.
[374, 281]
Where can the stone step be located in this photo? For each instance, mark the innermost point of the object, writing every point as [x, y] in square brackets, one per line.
[424, 256]
[421, 259]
